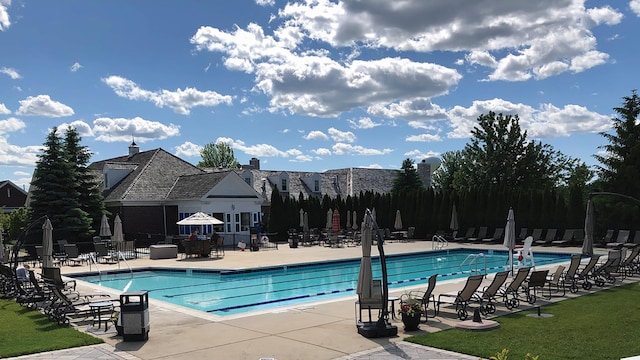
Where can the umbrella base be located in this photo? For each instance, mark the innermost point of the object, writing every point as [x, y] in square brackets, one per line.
[376, 330]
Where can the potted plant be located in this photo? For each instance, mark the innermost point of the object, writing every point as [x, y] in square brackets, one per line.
[410, 311]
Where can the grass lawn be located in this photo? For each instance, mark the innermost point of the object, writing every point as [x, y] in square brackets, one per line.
[602, 325]
[24, 331]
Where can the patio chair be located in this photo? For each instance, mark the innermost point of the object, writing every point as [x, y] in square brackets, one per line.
[53, 277]
[73, 254]
[635, 242]
[497, 236]
[585, 274]
[488, 293]
[219, 246]
[608, 236]
[468, 234]
[103, 254]
[567, 238]
[373, 303]
[29, 295]
[609, 270]
[548, 237]
[556, 282]
[537, 280]
[536, 234]
[463, 298]
[523, 234]
[511, 293]
[427, 296]
[482, 233]
[629, 265]
[621, 239]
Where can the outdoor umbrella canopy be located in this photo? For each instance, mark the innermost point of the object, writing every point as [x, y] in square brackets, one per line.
[365, 277]
[305, 222]
[510, 236]
[453, 225]
[398, 223]
[355, 220]
[301, 218]
[1, 247]
[200, 218]
[587, 245]
[348, 219]
[105, 229]
[335, 223]
[47, 244]
[329, 219]
[118, 235]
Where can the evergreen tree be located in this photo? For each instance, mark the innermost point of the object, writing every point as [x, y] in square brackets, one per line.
[55, 194]
[90, 199]
[620, 168]
[407, 178]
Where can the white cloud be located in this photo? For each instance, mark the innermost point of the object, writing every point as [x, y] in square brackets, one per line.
[187, 149]
[321, 151]
[4, 110]
[341, 136]
[266, 2]
[635, 6]
[12, 73]
[418, 155]
[75, 67]
[5, 21]
[302, 158]
[348, 149]
[423, 138]
[418, 108]
[259, 150]
[11, 125]
[418, 124]
[42, 105]
[316, 135]
[13, 155]
[364, 123]
[121, 129]
[180, 101]
[543, 122]
[81, 127]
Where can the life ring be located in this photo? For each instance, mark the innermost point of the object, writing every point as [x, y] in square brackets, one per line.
[264, 239]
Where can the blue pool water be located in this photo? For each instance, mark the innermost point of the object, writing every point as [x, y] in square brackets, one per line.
[224, 292]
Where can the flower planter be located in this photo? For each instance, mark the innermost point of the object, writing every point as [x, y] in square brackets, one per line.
[411, 322]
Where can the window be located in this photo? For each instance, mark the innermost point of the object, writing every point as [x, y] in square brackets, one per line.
[316, 185]
[237, 222]
[245, 221]
[229, 223]
[284, 185]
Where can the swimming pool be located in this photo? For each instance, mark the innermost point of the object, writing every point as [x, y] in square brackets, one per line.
[230, 292]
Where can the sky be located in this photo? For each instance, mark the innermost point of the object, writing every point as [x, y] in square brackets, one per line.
[309, 85]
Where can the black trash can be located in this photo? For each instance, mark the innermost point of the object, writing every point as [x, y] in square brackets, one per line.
[134, 315]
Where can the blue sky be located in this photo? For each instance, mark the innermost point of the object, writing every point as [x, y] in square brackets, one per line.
[309, 85]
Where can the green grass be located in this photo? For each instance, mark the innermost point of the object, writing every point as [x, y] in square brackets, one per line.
[602, 325]
[24, 331]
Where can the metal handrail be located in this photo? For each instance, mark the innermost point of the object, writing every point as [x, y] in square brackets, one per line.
[121, 256]
[472, 260]
[438, 242]
[92, 259]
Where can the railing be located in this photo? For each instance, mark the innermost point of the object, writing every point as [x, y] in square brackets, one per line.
[438, 242]
[92, 260]
[123, 258]
[471, 262]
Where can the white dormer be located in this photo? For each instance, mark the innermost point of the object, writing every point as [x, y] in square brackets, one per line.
[247, 176]
[113, 173]
[313, 182]
[281, 181]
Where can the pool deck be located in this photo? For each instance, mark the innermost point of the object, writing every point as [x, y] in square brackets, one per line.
[324, 330]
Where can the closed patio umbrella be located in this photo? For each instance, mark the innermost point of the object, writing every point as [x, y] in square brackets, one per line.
[1, 247]
[335, 223]
[398, 223]
[348, 219]
[47, 244]
[365, 277]
[329, 219]
[510, 236]
[453, 225]
[118, 235]
[355, 220]
[587, 245]
[301, 218]
[105, 229]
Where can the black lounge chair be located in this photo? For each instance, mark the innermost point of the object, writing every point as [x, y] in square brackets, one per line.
[537, 280]
[556, 282]
[53, 277]
[523, 234]
[468, 234]
[610, 270]
[586, 273]
[635, 242]
[489, 293]
[511, 293]
[629, 265]
[463, 298]
[497, 236]
[621, 239]
[548, 237]
[482, 233]
[536, 234]
[567, 238]
[73, 254]
[427, 296]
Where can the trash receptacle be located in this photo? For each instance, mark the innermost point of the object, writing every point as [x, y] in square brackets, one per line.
[134, 315]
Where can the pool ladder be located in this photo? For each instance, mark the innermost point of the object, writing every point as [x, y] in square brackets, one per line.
[472, 265]
[438, 242]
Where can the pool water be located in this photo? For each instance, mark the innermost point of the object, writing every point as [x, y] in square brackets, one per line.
[224, 292]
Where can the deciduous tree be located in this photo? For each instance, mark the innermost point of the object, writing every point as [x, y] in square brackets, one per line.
[218, 155]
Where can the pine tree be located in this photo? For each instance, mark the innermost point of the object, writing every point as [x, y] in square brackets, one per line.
[90, 199]
[54, 192]
[407, 178]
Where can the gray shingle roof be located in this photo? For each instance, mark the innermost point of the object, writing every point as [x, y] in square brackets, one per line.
[195, 186]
